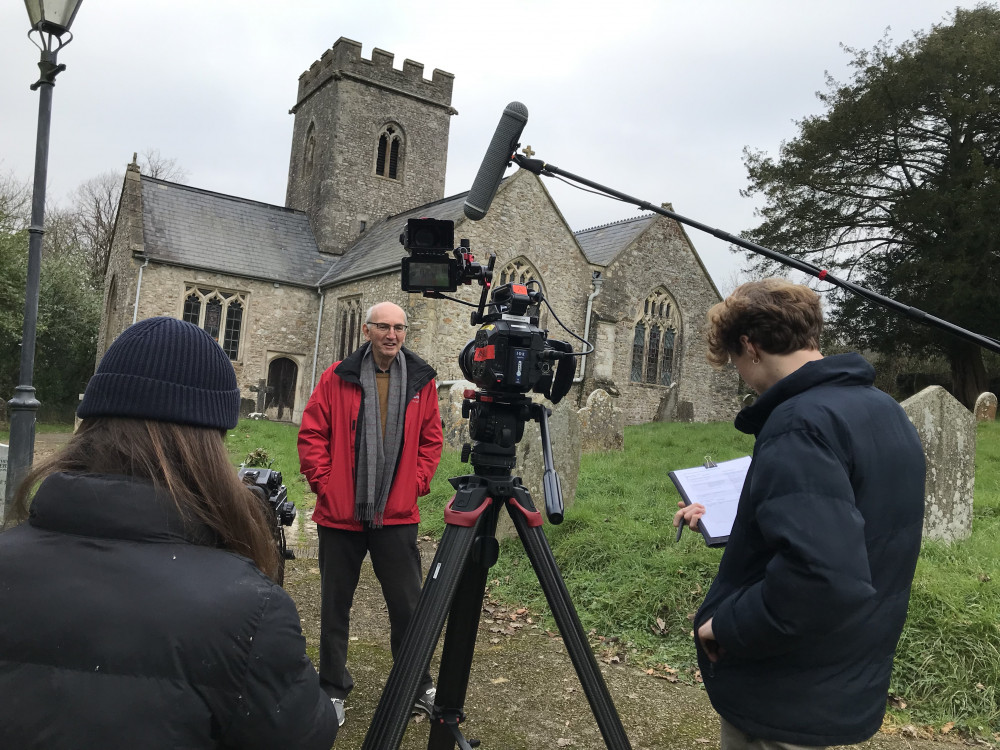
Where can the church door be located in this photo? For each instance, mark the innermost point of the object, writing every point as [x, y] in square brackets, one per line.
[282, 375]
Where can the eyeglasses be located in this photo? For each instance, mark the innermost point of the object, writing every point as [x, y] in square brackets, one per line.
[384, 327]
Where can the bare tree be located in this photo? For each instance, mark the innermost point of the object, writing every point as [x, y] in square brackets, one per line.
[15, 204]
[95, 205]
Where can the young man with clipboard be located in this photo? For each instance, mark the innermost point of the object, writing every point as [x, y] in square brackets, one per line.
[797, 634]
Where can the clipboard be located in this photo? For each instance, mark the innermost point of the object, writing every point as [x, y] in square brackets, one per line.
[717, 486]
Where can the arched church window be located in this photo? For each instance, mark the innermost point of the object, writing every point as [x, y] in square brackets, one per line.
[349, 313]
[653, 353]
[656, 334]
[309, 155]
[389, 156]
[638, 347]
[667, 365]
[219, 312]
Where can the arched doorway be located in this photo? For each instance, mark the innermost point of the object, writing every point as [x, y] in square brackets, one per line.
[282, 375]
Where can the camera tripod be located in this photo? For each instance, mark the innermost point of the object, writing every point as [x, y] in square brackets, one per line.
[456, 584]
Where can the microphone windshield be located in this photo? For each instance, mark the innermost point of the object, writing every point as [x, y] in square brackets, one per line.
[498, 156]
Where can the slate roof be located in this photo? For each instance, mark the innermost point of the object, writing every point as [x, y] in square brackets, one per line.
[190, 227]
[601, 244]
[379, 249]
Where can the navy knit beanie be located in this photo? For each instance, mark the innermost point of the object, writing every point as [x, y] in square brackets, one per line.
[166, 370]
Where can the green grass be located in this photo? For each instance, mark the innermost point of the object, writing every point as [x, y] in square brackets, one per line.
[617, 554]
[39, 427]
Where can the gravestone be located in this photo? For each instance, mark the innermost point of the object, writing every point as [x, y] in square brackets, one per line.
[986, 407]
[453, 424]
[667, 410]
[948, 433]
[685, 411]
[602, 426]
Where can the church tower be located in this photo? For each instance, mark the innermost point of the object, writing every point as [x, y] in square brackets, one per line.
[369, 141]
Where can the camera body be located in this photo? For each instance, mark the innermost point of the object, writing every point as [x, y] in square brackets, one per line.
[267, 484]
[510, 353]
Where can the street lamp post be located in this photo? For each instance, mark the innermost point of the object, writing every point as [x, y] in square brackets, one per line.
[50, 21]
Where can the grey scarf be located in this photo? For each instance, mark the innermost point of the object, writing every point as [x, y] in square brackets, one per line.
[377, 456]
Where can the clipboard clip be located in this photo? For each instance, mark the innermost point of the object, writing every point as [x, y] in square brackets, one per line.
[710, 464]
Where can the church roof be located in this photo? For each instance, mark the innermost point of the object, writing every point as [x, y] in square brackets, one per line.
[601, 244]
[187, 226]
[379, 249]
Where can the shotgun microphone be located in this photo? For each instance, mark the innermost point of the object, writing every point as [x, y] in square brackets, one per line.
[498, 156]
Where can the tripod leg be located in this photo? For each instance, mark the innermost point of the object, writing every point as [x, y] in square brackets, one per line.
[528, 522]
[450, 562]
[460, 636]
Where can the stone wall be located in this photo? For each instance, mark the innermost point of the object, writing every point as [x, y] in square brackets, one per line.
[346, 101]
[124, 262]
[662, 257]
[279, 321]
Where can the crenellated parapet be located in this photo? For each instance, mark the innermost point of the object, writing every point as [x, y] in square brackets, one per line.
[344, 60]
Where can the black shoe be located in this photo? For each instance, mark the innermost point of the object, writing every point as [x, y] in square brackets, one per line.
[425, 702]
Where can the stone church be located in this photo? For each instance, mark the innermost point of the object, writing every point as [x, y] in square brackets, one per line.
[284, 289]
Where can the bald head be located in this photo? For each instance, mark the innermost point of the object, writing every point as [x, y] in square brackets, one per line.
[385, 328]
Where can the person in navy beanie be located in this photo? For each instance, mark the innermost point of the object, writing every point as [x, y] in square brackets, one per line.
[165, 370]
[138, 592]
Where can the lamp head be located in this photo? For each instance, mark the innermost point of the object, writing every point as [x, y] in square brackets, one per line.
[52, 16]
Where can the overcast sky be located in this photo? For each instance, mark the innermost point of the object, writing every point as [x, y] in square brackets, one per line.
[654, 98]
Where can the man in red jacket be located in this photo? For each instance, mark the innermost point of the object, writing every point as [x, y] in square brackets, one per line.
[369, 444]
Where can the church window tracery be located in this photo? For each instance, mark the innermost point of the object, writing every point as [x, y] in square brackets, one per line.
[654, 342]
[219, 313]
[520, 271]
[389, 156]
[349, 322]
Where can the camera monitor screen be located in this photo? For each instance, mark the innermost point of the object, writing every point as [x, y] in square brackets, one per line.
[424, 274]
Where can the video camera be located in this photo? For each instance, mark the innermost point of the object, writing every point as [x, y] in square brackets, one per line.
[510, 353]
[267, 485]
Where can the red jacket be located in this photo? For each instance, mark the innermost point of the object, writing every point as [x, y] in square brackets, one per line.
[328, 446]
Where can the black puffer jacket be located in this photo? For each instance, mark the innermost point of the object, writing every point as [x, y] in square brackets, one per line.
[812, 590]
[118, 631]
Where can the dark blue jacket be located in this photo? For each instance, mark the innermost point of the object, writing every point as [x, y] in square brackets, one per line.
[812, 590]
[121, 630]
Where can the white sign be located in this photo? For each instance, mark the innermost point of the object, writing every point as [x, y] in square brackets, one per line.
[3, 473]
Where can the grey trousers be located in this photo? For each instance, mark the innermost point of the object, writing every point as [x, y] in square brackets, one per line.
[735, 739]
[396, 561]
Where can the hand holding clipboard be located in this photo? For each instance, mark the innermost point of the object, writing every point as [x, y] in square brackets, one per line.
[711, 493]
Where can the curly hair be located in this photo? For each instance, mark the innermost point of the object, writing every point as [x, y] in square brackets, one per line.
[774, 314]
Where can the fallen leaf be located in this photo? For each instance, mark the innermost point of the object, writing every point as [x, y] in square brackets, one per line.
[660, 623]
[650, 671]
[499, 680]
[947, 727]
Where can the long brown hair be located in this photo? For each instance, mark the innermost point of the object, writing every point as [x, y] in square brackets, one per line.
[188, 463]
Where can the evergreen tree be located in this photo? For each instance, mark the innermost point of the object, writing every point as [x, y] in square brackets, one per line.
[897, 185]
